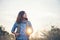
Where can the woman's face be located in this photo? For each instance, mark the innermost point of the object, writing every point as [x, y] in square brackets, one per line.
[25, 15]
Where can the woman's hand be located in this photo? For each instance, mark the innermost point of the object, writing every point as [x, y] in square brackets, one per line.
[16, 34]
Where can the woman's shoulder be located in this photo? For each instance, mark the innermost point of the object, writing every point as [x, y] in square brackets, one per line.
[16, 24]
[29, 23]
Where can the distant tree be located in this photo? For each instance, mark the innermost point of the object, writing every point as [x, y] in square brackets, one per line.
[12, 37]
[4, 35]
[53, 34]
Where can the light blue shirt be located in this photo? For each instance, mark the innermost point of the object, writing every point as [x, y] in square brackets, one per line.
[22, 28]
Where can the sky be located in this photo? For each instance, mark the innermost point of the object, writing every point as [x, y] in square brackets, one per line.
[41, 13]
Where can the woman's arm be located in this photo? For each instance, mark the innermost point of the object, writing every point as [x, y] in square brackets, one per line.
[30, 29]
[30, 25]
[13, 29]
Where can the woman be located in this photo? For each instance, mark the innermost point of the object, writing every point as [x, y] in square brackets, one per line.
[22, 20]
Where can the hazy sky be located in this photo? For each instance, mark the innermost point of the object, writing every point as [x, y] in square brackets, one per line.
[41, 13]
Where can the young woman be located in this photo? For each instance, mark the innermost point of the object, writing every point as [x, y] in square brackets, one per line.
[22, 20]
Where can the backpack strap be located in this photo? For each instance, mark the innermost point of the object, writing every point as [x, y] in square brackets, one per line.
[18, 28]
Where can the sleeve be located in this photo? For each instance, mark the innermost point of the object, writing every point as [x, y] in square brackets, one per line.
[13, 28]
[30, 25]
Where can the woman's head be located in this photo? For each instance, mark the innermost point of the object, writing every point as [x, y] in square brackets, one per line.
[21, 16]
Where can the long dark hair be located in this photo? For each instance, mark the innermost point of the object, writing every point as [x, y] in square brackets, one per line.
[20, 17]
